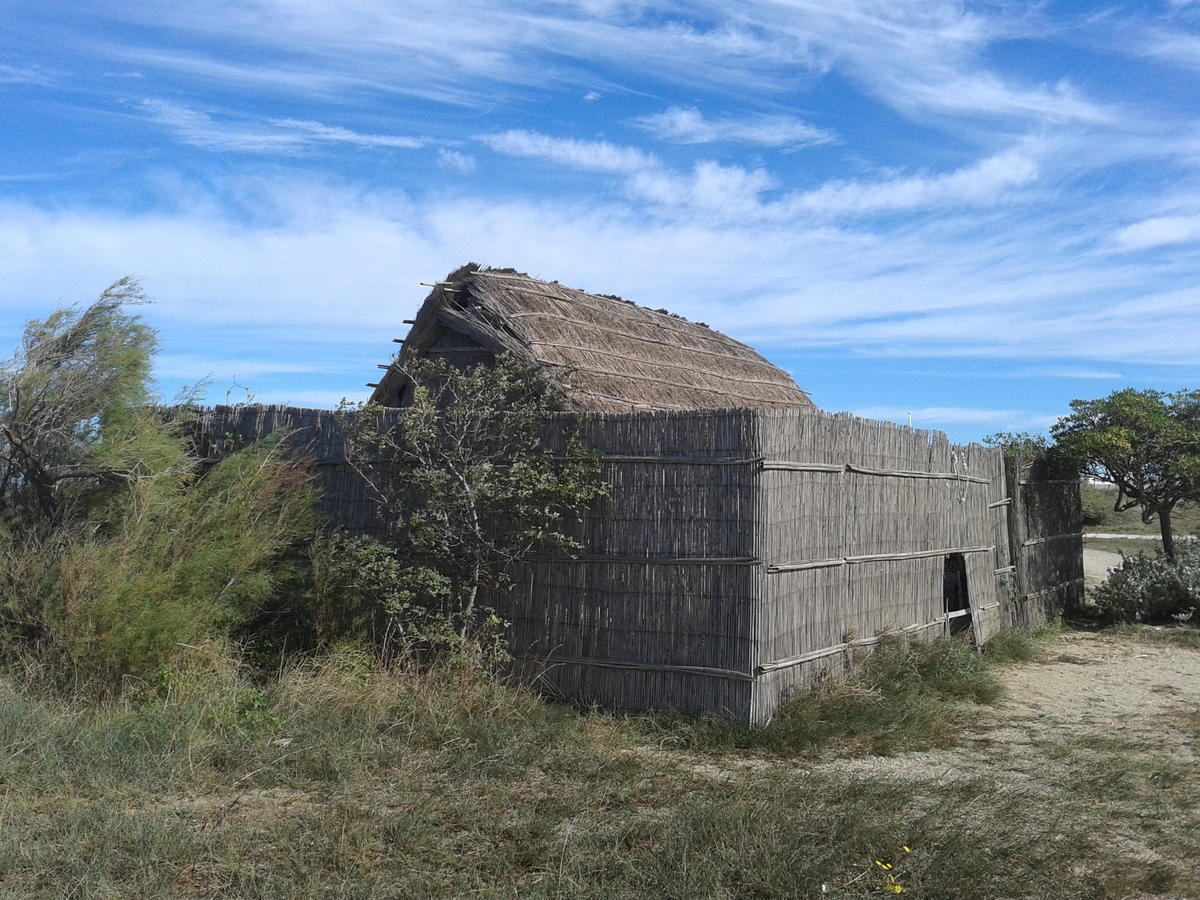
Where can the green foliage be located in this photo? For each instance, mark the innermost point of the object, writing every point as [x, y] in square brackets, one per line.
[115, 548]
[1153, 589]
[470, 484]
[360, 581]
[1147, 443]
[73, 409]
[896, 701]
[1023, 446]
[1097, 507]
[181, 560]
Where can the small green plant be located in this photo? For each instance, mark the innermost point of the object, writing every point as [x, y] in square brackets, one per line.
[1018, 646]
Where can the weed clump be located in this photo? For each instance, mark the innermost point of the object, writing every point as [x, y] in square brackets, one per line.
[907, 695]
[1019, 646]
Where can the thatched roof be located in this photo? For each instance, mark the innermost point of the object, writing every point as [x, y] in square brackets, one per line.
[623, 356]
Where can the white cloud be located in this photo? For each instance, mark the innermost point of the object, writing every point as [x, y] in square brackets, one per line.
[730, 192]
[940, 416]
[688, 126]
[725, 191]
[733, 192]
[337, 135]
[22, 75]
[1159, 232]
[281, 136]
[591, 97]
[585, 156]
[983, 182]
[200, 130]
[462, 163]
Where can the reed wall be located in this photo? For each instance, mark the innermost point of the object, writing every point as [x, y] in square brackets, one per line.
[743, 552]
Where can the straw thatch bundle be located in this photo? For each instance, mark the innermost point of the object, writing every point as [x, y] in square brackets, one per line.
[618, 356]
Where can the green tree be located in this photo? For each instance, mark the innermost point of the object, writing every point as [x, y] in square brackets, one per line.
[468, 480]
[1147, 443]
[74, 402]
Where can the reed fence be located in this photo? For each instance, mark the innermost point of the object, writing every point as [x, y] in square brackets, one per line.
[743, 552]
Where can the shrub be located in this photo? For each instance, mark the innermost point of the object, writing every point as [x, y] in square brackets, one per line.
[1153, 589]
[471, 485]
[361, 587]
[176, 560]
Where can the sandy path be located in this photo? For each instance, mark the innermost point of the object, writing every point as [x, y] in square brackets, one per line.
[1089, 687]
[1096, 564]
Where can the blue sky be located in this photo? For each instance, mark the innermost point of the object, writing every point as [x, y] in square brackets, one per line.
[973, 212]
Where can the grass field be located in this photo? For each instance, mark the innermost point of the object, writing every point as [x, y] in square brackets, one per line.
[1099, 515]
[340, 780]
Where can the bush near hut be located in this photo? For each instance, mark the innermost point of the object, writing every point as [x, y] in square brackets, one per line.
[114, 550]
[1153, 590]
[471, 486]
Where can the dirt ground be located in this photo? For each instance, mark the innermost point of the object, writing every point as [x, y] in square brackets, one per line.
[1096, 564]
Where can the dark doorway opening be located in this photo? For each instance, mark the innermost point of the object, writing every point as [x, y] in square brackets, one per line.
[958, 604]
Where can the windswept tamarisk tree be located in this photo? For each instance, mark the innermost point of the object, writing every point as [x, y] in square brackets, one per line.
[468, 480]
[72, 401]
[1147, 443]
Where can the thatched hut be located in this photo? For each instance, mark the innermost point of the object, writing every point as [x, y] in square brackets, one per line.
[621, 356]
[751, 542]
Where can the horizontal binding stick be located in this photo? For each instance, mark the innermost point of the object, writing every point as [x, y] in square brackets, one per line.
[869, 558]
[675, 460]
[808, 564]
[792, 661]
[778, 465]
[905, 473]
[1007, 501]
[654, 560]
[645, 667]
[1053, 537]
[917, 554]
[1051, 590]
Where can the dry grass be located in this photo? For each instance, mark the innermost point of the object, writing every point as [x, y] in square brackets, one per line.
[342, 780]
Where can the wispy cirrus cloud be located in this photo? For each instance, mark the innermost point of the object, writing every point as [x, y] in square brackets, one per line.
[734, 191]
[1159, 232]
[585, 156]
[332, 134]
[914, 56]
[981, 183]
[22, 75]
[462, 163]
[688, 126]
[273, 136]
